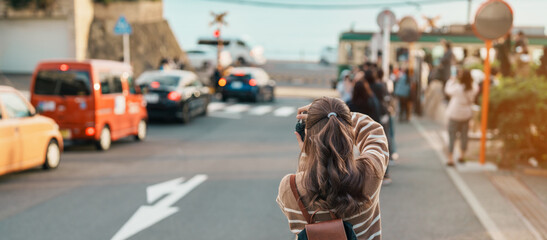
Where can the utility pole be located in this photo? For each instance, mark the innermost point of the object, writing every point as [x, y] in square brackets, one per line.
[468, 12]
[219, 21]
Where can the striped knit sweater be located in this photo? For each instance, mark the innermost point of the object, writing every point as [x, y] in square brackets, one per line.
[372, 144]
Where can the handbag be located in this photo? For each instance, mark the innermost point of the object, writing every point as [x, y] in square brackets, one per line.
[334, 229]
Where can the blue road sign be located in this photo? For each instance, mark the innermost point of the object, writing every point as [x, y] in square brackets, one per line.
[122, 26]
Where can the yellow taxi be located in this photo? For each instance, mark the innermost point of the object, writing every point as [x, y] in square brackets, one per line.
[27, 139]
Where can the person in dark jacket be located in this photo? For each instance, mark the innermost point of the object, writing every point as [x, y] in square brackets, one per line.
[363, 101]
[503, 50]
[446, 62]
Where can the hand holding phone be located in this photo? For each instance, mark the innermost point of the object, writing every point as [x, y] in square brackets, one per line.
[300, 128]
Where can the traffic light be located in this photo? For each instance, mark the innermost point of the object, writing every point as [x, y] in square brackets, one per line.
[217, 33]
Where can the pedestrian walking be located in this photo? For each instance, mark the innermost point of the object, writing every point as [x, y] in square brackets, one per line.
[503, 52]
[462, 93]
[402, 92]
[378, 87]
[164, 64]
[363, 101]
[331, 182]
[445, 65]
[345, 85]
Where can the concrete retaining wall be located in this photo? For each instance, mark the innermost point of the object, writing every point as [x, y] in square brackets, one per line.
[149, 43]
[141, 12]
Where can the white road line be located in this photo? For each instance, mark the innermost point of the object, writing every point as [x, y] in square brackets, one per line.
[237, 108]
[284, 111]
[473, 202]
[215, 106]
[260, 110]
[225, 115]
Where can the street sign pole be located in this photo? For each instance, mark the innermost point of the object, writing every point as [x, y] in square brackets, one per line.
[485, 101]
[123, 28]
[386, 20]
[219, 21]
[493, 20]
[126, 52]
[411, 59]
[386, 45]
[219, 48]
[409, 32]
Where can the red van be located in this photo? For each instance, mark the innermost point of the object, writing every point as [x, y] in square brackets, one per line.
[93, 100]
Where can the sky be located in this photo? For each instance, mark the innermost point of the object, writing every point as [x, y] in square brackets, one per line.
[300, 34]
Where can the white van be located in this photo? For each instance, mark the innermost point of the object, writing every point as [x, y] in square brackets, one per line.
[239, 50]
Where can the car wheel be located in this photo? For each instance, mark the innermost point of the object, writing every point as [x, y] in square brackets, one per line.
[254, 97]
[53, 155]
[105, 140]
[141, 131]
[272, 96]
[186, 118]
[205, 106]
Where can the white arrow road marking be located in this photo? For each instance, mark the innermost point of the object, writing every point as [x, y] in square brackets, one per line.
[146, 216]
[260, 110]
[284, 111]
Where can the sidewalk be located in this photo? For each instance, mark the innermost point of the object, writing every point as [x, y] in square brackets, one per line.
[423, 202]
[509, 204]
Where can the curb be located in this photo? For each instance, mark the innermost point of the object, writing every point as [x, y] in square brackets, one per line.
[533, 172]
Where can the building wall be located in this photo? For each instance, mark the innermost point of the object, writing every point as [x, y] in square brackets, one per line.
[25, 42]
[31, 35]
[141, 12]
[59, 9]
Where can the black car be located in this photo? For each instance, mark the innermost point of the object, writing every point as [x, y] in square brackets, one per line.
[174, 94]
[247, 83]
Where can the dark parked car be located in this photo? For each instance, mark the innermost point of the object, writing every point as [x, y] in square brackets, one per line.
[247, 83]
[174, 94]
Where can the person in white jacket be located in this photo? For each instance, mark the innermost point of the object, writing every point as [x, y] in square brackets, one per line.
[462, 94]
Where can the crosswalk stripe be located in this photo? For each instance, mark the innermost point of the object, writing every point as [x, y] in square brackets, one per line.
[284, 111]
[260, 110]
[215, 106]
[237, 108]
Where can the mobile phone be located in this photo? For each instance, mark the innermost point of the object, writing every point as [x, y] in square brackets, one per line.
[300, 128]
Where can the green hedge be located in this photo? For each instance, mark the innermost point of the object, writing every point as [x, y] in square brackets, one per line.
[518, 110]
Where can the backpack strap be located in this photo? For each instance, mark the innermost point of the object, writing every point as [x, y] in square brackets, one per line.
[300, 204]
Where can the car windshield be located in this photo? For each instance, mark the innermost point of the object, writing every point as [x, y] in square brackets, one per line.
[212, 42]
[163, 80]
[195, 52]
[63, 83]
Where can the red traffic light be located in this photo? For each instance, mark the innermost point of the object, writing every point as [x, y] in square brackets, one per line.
[217, 33]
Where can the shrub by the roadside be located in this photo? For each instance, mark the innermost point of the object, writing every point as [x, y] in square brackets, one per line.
[518, 111]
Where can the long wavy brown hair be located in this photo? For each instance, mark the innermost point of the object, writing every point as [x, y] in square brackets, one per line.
[332, 180]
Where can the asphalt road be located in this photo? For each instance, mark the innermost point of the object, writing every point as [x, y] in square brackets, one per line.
[243, 153]
[215, 178]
